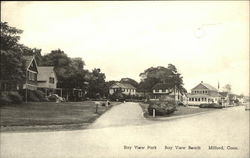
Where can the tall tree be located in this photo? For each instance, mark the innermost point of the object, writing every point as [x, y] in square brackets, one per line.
[70, 72]
[172, 68]
[227, 88]
[154, 75]
[12, 66]
[96, 84]
[12, 63]
[9, 36]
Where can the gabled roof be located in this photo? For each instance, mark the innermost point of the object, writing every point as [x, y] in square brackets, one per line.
[206, 85]
[28, 60]
[122, 85]
[44, 72]
[162, 86]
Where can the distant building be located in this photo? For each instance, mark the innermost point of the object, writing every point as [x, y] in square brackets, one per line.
[47, 80]
[161, 90]
[204, 93]
[225, 98]
[234, 99]
[124, 88]
[31, 73]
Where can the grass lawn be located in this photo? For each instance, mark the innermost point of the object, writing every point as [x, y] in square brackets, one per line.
[181, 110]
[49, 115]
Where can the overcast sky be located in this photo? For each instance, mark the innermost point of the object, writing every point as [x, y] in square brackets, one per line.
[207, 41]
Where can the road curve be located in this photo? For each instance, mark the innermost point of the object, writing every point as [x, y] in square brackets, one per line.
[225, 127]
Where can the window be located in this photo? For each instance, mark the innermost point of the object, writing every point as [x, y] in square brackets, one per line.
[205, 99]
[32, 76]
[195, 99]
[164, 90]
[157, 90]
[199, 99]
[51, 80]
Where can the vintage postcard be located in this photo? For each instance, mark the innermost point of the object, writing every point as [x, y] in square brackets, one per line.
[124, 79]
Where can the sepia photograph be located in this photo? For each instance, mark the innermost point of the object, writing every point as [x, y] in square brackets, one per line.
[124, 79]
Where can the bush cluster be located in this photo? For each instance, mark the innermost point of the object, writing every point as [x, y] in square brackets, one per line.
[213, 105]
[15, 97]
[34, 95]
[10, 98]
[162, 108]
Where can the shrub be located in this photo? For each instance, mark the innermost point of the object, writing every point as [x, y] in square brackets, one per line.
[15, 97]
[118, 96]
[4, 99]
[162, 108]
[39, 94]
[213, 105]
[32, 96]
[45, 99]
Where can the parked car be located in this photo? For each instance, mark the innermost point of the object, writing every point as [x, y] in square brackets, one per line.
[55, 97]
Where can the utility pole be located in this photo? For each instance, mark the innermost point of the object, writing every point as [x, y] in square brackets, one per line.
[26, 86]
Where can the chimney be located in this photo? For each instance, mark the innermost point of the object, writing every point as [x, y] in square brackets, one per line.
[201, 81]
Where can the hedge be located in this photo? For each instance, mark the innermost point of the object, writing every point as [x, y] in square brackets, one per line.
[162, 108]
[213, 105]
[10, 98]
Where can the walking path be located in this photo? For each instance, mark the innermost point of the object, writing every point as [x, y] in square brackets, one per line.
[124, 114]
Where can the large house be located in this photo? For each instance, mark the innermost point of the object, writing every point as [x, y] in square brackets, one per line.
[124, 88]
[30, 81]
[163, 89]
[204, 93]
[31, 73]
[47, 80]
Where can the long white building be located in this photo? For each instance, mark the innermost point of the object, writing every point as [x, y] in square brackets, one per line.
[204, 93]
